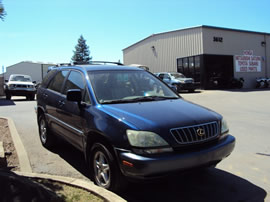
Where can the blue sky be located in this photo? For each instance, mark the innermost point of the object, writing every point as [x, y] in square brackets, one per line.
[47, 31]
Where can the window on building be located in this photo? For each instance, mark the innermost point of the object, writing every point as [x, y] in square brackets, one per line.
[190, 67]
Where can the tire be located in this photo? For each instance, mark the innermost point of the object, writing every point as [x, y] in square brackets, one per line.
[177, 88]
[46, 137]
[104, 171]
[32, 97]
[8, 96]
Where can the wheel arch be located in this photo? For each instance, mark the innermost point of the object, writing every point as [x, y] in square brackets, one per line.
[96, 137]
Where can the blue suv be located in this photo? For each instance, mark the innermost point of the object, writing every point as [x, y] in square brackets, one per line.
[128, 123]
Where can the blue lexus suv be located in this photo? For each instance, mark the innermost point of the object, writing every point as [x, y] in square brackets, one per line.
[128, 123]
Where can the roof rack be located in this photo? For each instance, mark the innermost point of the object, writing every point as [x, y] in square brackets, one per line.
[97, 63]
[63, 64]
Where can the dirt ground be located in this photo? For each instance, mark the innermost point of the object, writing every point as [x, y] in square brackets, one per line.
[9, 149]
[17, 188]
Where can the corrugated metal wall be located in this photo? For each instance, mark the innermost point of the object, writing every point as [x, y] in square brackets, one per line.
[36, 70]
[160, 51]
[234, 43]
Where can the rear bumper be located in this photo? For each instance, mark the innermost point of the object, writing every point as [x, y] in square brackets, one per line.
[152, 167]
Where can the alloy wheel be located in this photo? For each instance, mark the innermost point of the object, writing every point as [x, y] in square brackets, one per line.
[43, 131]
[102, 169]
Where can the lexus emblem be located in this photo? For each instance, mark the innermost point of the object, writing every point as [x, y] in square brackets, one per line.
[200, 132]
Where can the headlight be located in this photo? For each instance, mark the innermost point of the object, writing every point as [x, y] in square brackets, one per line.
[147, 142]
[145, 139]
[224, 127]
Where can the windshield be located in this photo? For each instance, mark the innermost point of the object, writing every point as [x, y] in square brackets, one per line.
[178, 75]
[128, 86]
[23, 78]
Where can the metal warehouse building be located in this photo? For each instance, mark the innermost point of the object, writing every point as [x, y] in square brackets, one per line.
[206, 54]
[36, 70]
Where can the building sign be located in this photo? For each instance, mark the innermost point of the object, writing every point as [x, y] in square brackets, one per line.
[218, 39]
[248, 62]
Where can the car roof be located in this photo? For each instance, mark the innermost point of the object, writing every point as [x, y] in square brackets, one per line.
[25, 75]
[168, 73]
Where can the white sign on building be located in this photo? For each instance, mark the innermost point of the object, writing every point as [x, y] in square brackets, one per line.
[248, 62]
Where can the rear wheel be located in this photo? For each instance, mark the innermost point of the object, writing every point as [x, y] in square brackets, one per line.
[104, 170]
[46, 137]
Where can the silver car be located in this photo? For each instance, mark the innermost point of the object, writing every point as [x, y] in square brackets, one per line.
[177, 80]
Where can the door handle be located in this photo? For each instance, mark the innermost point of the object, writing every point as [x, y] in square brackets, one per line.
[45, 96]
[61, 103]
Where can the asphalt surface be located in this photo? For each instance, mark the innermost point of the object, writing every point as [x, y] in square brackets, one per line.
[243, 176]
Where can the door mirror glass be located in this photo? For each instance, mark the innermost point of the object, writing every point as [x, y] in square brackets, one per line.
[74, 95]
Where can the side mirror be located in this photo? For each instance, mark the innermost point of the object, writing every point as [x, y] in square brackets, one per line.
[74, 95]
[6, 81]
[34, 82]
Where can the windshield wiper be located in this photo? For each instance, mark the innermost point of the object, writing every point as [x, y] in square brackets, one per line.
[153, 98]
[139, 99]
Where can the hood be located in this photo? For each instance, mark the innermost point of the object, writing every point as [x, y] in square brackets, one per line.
[20, 83]
[184, 79]
[160, 114]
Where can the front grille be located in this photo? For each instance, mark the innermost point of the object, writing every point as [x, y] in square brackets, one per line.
[22, 86]
[196, 133]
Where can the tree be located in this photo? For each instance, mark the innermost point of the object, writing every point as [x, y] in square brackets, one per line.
[81, 53]
[2, 11]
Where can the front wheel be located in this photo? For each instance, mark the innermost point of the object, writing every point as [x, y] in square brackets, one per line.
[8, 96]
[46, 137]
[104, 170]
[176, 88]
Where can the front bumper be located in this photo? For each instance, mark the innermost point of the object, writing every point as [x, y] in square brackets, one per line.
[187, 86]
[21, 91]
[152, 167]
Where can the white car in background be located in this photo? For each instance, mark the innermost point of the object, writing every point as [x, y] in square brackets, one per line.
[20, 85]
[177, 80]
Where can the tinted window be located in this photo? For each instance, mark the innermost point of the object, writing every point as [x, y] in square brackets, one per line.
[166, 76]
[47, 78]
[127, 85]
[86, 98]
[75, 81]
[57, 82]
[161, 76]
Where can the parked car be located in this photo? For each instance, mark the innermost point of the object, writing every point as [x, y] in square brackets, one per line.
[20, 85]
[128, 124]
[177, 80]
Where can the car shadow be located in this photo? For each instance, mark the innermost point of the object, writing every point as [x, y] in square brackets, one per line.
[208, 185]
[200, 185]
[72, 156]
[197, 91]
[4, 102]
